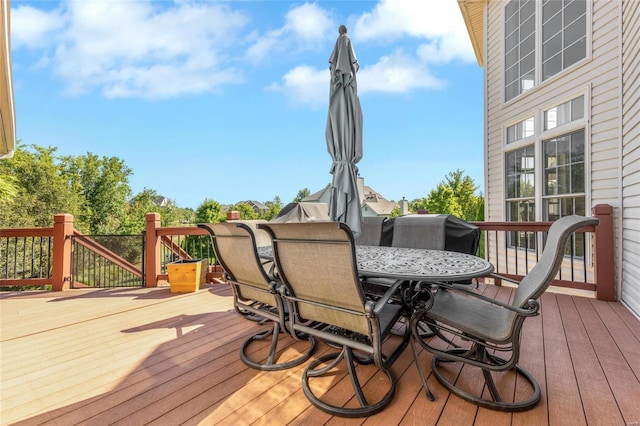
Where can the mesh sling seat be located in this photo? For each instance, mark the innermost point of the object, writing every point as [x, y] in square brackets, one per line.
[317, 265]
[492, 327]
[255, 293]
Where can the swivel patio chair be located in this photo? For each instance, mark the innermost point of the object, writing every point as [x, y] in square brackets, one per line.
[376, 231]
[317, 265]
[492, 326]
[255, 293]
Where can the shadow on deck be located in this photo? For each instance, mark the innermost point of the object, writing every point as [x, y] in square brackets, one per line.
[146, 356]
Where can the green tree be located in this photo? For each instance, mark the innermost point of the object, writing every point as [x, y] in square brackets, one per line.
[418, 204]
[185, 215]
[209, 211]
[245, 210]
[134, 219]
[104, 185]
[396, 212]
[303, 193]
[442, 200]
[274, 208]
[35, 189]
[464, 190]
[456, 195]
[8, 188]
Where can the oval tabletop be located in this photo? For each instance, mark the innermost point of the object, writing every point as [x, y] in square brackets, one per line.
[413, 264]
[420, 264]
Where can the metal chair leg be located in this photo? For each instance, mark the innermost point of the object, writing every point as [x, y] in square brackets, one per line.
[496, 402]
[270, 363]
[365, 409]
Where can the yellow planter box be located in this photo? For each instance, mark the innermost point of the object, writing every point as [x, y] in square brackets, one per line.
[186, 276]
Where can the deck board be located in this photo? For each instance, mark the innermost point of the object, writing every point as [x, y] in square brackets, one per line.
[146, 356]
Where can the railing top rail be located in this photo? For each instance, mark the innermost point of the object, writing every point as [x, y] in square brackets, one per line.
[181, 230]
[26, 232]
[523, 226]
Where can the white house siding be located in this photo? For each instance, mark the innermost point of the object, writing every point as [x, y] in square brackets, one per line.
[599, 75]
[631, 156]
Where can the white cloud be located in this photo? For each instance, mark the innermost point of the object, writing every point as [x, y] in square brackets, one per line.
[439, 22]
[33, 28]
[447, 49]
[397, 73]
[141, 49]
[309, 22]
[306, 27]
[305, 85]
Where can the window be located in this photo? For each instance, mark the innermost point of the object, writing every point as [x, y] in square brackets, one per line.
[553, 157]
[565, 113]
[562, 41]
[520, 169]
[520, 46]
[564, 176]
[564, 35]
[521, 130]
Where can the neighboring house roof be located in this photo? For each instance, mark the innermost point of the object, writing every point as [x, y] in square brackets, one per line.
[7, 107]
[370, 199]
[257, 206]
[317, 195]
[376, 202]
[160, 201]
[473, 14]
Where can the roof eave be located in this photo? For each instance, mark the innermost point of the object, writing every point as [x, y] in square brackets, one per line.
[473, 15]
[7, 107]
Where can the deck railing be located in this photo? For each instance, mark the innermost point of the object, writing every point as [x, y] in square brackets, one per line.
[41, 256]
[514, 248]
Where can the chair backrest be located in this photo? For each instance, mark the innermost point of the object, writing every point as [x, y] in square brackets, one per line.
[317, 264]
[536, 282]
[260, 236]
[371, 232]
[420, 231]
[235, 248]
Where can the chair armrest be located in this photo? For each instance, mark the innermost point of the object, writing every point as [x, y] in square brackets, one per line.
[533, 305]
[503, 278]
[379, 305]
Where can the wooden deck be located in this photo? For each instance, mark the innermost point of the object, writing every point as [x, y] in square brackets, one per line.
[145, 356]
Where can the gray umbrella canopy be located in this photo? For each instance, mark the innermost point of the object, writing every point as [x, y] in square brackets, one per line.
[344, 135]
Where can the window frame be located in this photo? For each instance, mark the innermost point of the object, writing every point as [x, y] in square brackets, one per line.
[538, 81]
[537, 140]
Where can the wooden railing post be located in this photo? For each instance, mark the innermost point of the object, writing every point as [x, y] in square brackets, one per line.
[61, 271]
[604, 257]
[153, 250]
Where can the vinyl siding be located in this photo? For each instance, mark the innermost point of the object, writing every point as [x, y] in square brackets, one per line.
[598, 76]
[631, 156]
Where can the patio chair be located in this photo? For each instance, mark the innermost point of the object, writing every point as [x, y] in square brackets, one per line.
[316, 262]
[255, 293]
[492, 326]
[376, 231]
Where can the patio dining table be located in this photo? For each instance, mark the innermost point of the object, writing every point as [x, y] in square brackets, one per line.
[413, 264]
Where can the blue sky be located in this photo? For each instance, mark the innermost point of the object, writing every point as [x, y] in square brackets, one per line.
[227, 100]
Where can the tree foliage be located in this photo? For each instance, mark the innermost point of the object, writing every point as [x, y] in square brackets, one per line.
[302, 194]
[455, 195]
[35, 189]
[209, 211]
[103, 184]
[36, 184]
[273, 208]
[245, 210]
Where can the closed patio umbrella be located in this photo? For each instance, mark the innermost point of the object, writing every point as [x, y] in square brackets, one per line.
[344, 134]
